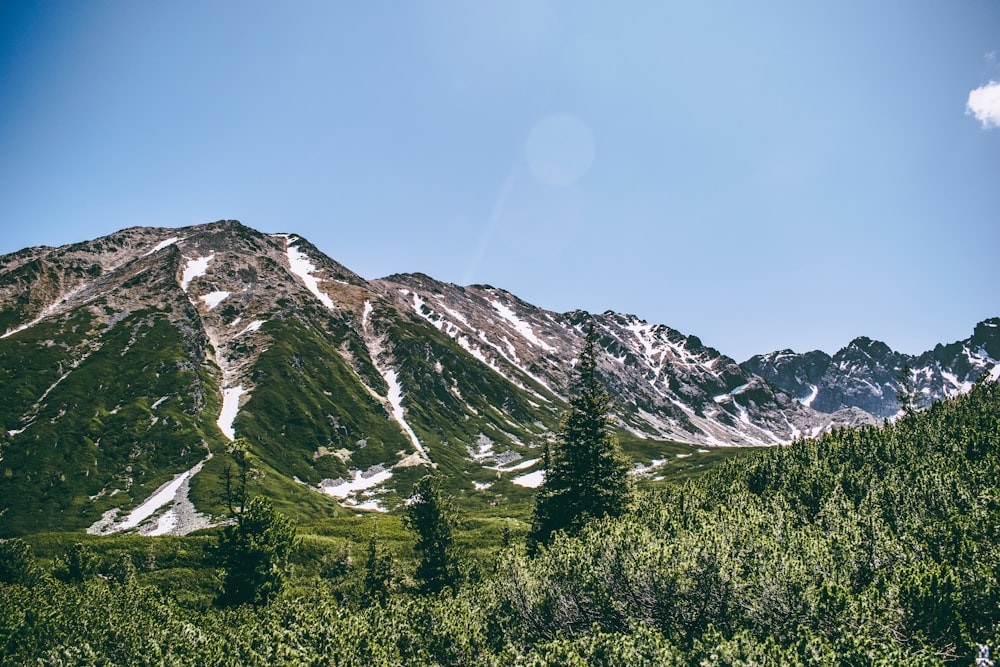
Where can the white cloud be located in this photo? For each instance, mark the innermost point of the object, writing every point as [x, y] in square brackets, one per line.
[984, 104]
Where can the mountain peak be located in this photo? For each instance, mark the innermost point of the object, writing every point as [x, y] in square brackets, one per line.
[873, 348]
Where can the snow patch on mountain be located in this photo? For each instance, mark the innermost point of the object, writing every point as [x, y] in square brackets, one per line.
[341, 488]
[395, 397]
[49, 310]
[729, 395]
[163, 244]
[483, 450]
[532, 480]
[230, 408]
[957, 386]
[301, 266]
[181, 519]
[193, 268]
[395, 394]
[464, 338]
[454, 313]
[253, 326]
[813, 393]
[518, 466]
[213, 299]
[521, 326]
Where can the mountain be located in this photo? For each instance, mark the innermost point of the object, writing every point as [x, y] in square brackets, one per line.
[130, 362]
[867, 374]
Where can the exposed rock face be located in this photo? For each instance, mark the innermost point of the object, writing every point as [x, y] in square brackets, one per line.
[867, 374]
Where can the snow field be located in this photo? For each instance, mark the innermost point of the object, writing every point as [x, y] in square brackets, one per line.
[301, 266]
[359, 481]
[193, 268]
[395, 397]
[532, 480]
[253, 326]
[163, 244]
[214, 298]
[521, 326]
[230, 408]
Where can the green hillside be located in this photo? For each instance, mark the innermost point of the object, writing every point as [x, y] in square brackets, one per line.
[876, 546]
[90, 441]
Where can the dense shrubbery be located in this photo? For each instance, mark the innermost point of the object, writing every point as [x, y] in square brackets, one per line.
[863, 547]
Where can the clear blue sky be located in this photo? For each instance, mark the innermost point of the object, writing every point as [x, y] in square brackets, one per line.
[760, 174]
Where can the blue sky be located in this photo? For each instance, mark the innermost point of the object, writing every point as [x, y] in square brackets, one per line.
[763, 175]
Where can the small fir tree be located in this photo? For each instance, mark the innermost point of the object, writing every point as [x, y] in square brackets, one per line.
[907, 395]
[254, 553]
[237, 475]
[253, 550]
[429, 515]
[379, 578]
[586, 474]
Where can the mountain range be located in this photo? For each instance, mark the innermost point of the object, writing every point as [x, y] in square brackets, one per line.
[130, 362]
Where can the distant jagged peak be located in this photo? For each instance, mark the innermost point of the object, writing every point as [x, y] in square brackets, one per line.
[871, 347]
[987, 337]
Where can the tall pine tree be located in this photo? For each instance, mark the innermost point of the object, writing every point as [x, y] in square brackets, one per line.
[429, 514]
[586, 474]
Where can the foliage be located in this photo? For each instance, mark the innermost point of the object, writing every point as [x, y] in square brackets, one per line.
[17, 563]
[586, 475]
[254, 553]
[379, 579]
[237, 476]
[79, 564]
[861, 546]
[430, 516]
[877, 546]
[254, 549]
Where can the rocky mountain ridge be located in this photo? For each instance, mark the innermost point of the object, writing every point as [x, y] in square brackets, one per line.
[129, 363]
[867, 374]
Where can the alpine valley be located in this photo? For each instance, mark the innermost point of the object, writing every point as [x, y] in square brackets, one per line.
[128, 364]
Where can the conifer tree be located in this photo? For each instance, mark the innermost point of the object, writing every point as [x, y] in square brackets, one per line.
[586, 474]
[79, 564]
[254, 553]
[254, 549]
[429, 515]
[379, 577]
[907, 396]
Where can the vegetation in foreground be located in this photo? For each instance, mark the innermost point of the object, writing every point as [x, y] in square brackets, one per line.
[876, 546]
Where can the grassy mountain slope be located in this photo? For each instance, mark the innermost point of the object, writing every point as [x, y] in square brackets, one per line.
[869, 546]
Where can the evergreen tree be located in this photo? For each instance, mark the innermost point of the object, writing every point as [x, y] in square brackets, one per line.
[237, 475]
[254, 549]
[429, 515]
[378, 580]
[586, 474]
[254, 553]
[907, 395]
